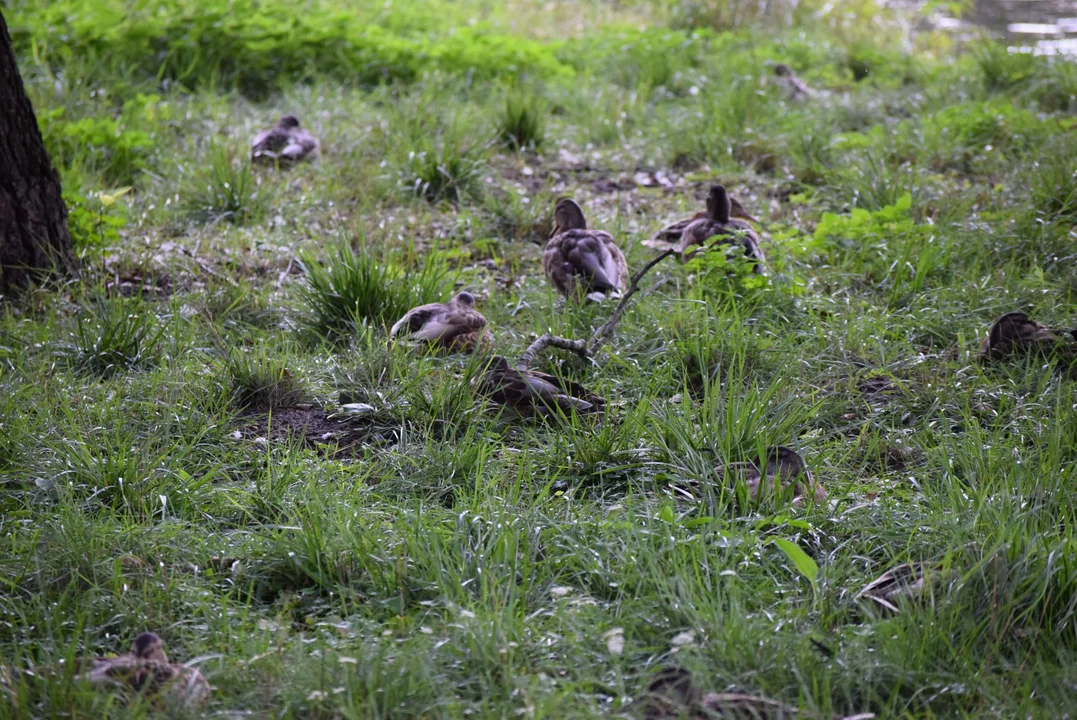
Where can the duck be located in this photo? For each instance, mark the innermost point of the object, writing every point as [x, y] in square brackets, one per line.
[785, 466]
[285, 142]
[670, 236]
[795, 88]
[529, 393]
[908, 581]
[719, 224]
[146, 669]
[455, 326]
[581, 262]
[672, 694]
[1015, 333]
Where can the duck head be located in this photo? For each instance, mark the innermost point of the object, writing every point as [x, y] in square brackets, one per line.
[147, 646]
[786, 461]
[737, 210]
[783, 70]
[568, 216]
[718, 206]
[288, 122]
[463, 298]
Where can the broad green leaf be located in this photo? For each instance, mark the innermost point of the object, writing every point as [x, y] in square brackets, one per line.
[805, 564]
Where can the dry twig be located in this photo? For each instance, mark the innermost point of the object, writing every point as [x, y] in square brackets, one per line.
[587, 350]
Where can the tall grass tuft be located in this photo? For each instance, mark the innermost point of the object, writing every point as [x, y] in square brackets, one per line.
[118, 335]
[523, 121]
[260, 381]
[225, 189]
[352, 289]
[1052, 183]
[444, 165]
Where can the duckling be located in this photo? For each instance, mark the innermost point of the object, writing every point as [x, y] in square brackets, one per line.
[785, 466]
[718, 224]
[530, 393]
[146, 669]
[670, 236]
[285, 142]
[795, 88]
[455, 326]
[1015, 333]
[579, 261]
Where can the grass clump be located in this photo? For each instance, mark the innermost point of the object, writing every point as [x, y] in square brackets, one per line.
[443, 167]
[260, 381]
[523, 122]
[225, 189]
[116, 335]
[352, 289]
[1053, 183]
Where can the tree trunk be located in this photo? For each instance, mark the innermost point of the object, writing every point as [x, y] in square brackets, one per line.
[33, 219]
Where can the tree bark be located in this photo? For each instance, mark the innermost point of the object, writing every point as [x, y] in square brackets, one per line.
[34, 239]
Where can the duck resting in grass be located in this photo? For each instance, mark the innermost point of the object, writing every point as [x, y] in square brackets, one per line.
[669, 237]
[1015, 333]
[530, 393]
[286, 143]
[719, 228]
[455, 326]
[581, 262]
[785, 468]
[146, 669]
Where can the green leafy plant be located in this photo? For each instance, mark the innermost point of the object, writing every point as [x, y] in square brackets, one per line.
[93, 224]
[95, 144]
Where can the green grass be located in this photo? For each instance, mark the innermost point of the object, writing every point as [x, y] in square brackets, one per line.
[430, 558]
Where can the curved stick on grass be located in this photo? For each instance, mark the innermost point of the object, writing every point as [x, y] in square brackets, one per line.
[528, 358]
[606, 329]
[586, 350]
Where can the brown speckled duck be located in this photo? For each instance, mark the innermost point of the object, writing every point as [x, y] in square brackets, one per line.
[455, 326]
[285, 142]
[147, 670]
[673, 695]
[785, 466]
[719, 228]
[530, 393]
[905, 582]
[669, 237]
[1015, 333]
[579, 261]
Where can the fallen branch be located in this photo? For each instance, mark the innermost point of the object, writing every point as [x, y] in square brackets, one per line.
[587, 350]
[606, 329]
[528, 358]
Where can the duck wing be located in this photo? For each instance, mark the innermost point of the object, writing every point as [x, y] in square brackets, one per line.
[669, 236]
[301, 145]
[588, 254]
[711, 233]
[268, 144]
[415, 320]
